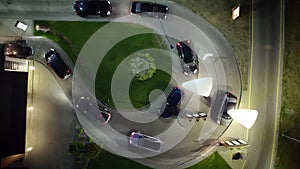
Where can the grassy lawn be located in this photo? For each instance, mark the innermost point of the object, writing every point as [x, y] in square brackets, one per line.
[73, 31]
[160, 79]
[214, 161]
[218, 14]
[139, 90]
[107, 160]
[74, 39]
[288, 150]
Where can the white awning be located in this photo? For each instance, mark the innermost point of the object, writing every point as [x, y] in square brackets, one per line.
[201, 86]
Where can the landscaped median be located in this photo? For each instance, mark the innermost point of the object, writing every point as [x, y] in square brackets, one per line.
[71, 38]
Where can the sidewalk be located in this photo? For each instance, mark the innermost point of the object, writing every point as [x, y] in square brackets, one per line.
[8, 30]
[236, 130]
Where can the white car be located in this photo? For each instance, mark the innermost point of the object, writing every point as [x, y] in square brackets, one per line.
[146, 142]
[84, 105]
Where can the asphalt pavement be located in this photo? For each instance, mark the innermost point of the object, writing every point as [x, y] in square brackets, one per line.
[51, 11]
[266, 64]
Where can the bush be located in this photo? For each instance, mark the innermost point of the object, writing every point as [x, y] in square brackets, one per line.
[143, 66]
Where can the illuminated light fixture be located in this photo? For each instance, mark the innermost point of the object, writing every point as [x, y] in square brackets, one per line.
[21, 25]
[245, 117]
[31, 67]
[30, 108]
[235, 12]
[28, 149]
[201, 86]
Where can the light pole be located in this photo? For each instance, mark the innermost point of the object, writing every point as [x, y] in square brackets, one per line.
[162, 27]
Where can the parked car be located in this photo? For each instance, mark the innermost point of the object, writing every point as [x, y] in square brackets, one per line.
[146, 142]
[172, 106]
[85, 8]
[150, 9]
[84, 105]
[188, 58]
[58, 65]
[229, 103]
[18, 49]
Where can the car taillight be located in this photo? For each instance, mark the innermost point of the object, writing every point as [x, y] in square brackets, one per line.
[68, 71]
[178, 44]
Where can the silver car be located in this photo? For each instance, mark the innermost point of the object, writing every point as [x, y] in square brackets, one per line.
[229, 103]
[84, 105]
[146, 142]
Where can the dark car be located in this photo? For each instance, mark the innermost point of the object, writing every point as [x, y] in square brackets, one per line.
[18, 49]
[54, 60]
[86, 8]
[172, 106]
[146, 142]
[84, 105]
[229, 103]
[188, 58]
[149, 9]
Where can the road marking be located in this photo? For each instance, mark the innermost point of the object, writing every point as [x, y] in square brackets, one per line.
[278, 81]
[278, 87]
[250, 75]
[268, 46]
[251, 63]
[207, 55]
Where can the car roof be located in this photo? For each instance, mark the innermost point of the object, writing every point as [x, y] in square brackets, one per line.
[140, 6]
[93, 110]
[92, 6]
[186, 52]
[174, 97]
[57, 63]
[146, 141]
[19, 48]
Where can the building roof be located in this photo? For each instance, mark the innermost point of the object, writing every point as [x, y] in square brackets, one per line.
[13, 103]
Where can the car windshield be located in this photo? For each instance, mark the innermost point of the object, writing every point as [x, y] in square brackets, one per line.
[105, 115]
[87, 107]
[150, 143]
[159, 8]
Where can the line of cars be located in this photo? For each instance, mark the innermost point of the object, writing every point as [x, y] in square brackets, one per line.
[188, 59]
[21, 49]
[137, 139]
[85, 8]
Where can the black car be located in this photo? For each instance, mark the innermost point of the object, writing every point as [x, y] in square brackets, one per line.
[172, 107]
[18, 49]
[54, 60]
[149, 9]
[86, 8]
[229, 103]
[188, 58]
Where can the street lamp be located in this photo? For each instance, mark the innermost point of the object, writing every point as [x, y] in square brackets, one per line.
[163, 29]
